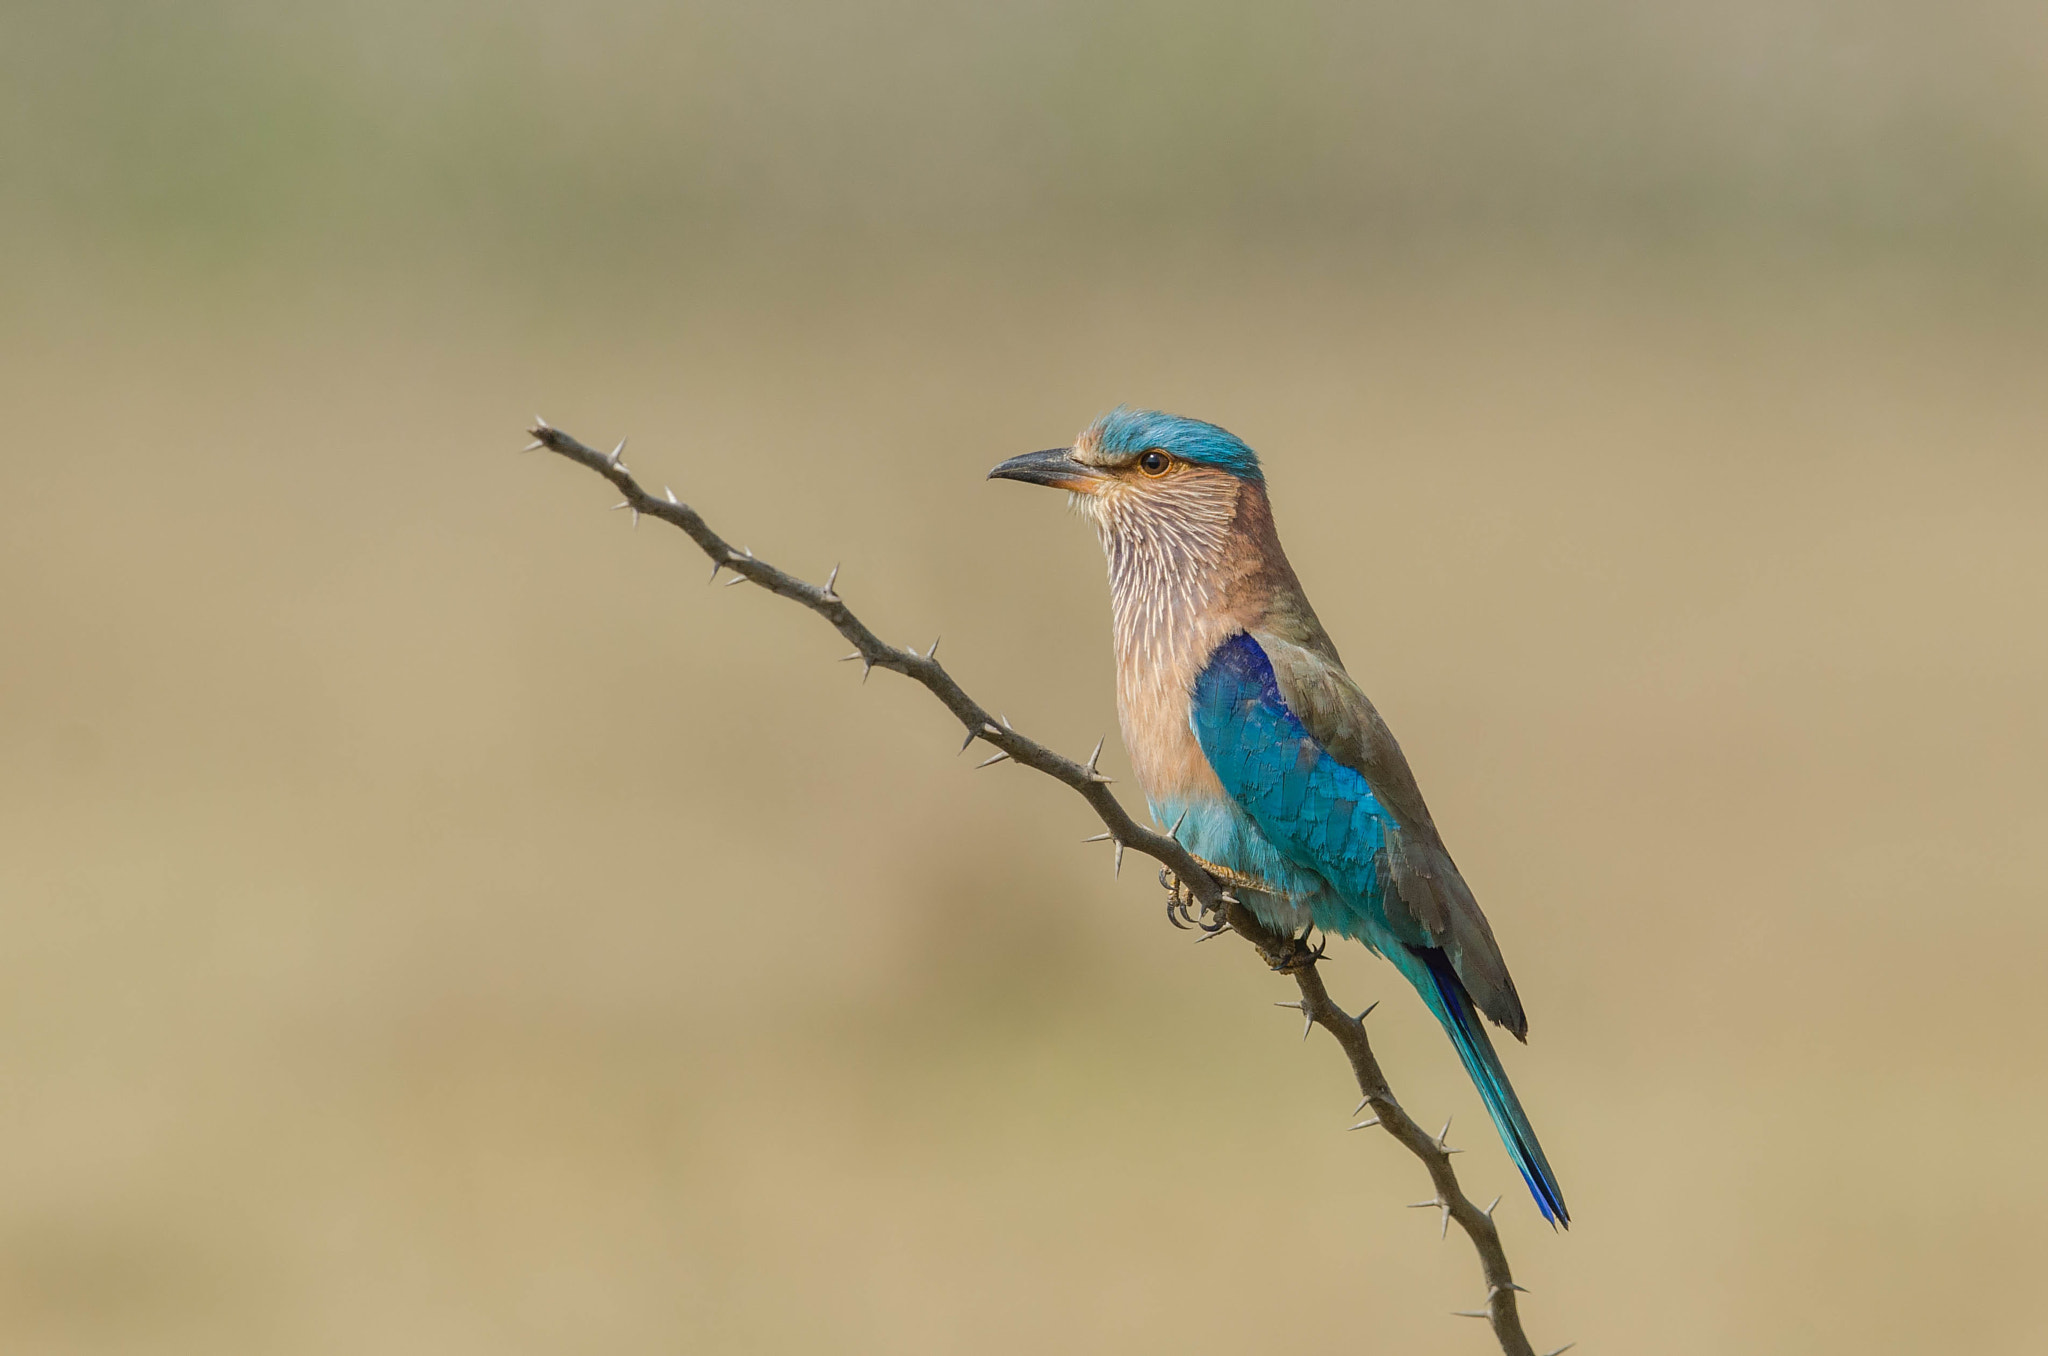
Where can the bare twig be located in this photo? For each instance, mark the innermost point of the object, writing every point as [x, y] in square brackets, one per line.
[1289, 955]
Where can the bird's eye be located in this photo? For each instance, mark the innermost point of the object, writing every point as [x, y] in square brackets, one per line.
[1155, 463]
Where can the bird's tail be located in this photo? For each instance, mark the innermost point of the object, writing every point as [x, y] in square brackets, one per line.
[1446, 996]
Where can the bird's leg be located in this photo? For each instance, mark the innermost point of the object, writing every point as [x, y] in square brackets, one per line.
[1235, 880]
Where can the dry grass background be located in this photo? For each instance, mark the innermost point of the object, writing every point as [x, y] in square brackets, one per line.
[434, 922]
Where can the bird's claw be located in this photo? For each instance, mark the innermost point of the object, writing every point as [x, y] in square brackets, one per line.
[1178, 900]
[1297, 955]
[1181, 903]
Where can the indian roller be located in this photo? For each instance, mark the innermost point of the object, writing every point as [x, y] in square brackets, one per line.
[1246, 733]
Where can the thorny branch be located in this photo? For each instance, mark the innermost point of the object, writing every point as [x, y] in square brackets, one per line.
[1286, 954]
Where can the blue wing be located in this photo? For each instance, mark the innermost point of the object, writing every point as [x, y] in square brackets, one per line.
[1319, 814]
[1323, 816]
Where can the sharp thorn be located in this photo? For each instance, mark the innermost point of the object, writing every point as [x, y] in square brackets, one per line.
[1229, 898]
[1363, 1102]
[1099, 838]
[1561, 1350]
[1368, 1011]
[1212, 936]
[990, 762]
[1508, 1285]
[934, 649]
[736, 579]
[623, 503]
[830, 580]
[867, 667]
[972, 735]
[1445, 1231]
[1471, 1313]
[1366, 1125]
[1095, 755]
[539, 422]
[636, 517]
[1174, 832]
[1431, 1204]
[1296, 1006]
[671, 495]
[1308, 1021]
[613, 459]
[533, 446]
[1488, 1211]
[1441, 1133]
[1119, 857]
[716, 566]
[847, 658]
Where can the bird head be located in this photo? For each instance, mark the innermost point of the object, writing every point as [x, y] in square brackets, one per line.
[1140, 472]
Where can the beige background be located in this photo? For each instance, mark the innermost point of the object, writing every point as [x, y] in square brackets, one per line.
[432, 921]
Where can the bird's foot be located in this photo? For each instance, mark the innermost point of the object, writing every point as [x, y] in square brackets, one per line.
[1295, 954]
[1180, 900]
[1177, 898]
[1180, 903]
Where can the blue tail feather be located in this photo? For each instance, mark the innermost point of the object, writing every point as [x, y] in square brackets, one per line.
[1433, 977]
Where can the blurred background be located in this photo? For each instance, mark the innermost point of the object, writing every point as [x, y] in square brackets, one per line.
[435, 922]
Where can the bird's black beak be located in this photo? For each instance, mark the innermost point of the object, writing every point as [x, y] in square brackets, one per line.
[1055, 466]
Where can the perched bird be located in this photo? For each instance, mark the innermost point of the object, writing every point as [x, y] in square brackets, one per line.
[1246, 732]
